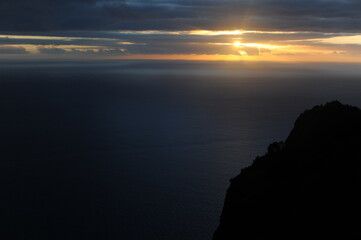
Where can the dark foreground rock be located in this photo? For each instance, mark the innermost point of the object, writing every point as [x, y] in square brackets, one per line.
[307, 187]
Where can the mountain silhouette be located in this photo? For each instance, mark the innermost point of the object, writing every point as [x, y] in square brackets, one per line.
[307, 187]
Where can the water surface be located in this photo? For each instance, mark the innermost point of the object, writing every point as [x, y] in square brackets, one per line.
[142, 150]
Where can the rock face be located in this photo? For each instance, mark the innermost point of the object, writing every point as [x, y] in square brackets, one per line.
[307, 187]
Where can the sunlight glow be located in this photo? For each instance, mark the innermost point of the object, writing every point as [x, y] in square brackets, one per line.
[216, 33]
[191, 32]
[237, 44]
[254, 45]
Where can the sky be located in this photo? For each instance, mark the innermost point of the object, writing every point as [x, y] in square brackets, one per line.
[254, 30]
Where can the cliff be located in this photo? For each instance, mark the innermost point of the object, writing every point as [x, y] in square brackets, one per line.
[306, 187]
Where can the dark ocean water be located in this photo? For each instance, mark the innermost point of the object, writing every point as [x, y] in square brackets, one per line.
[142, 150]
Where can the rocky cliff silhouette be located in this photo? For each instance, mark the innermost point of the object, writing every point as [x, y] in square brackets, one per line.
[307, 187]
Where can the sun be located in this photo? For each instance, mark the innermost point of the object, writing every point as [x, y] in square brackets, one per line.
[237, 44]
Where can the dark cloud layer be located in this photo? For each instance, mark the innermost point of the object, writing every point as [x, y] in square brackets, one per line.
[285, 15]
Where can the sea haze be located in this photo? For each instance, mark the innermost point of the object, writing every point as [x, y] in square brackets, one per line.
[142, 150]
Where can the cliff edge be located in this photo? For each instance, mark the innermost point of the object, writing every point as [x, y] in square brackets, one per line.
[306, 187]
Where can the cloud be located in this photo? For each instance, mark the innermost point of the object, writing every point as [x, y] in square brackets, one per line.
[80, 51]
[286, 15]
[107, 43]
[12, 50]
[52, 50]
[251, 51]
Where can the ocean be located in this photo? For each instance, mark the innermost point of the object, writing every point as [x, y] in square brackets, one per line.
[143, 149]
